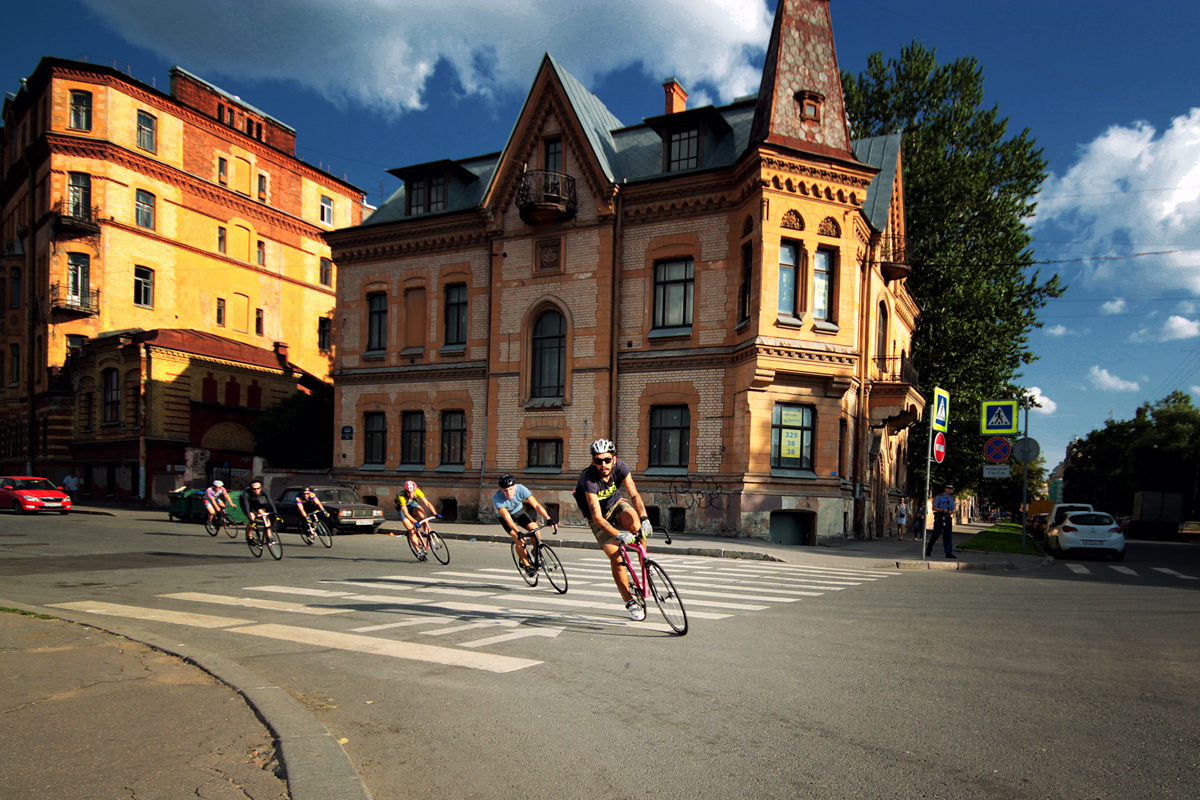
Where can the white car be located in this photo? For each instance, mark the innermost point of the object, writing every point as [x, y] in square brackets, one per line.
[1087, 531]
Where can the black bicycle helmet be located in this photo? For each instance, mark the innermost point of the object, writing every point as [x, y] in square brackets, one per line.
[507, 481]
[603, 446]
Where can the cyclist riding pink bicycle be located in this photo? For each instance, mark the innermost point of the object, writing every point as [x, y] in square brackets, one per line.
[611, 517]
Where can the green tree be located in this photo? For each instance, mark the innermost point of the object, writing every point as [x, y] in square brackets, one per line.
[298, 433]
[968, 187]
[1005, 493]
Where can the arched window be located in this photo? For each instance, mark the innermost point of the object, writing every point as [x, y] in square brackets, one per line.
[112, 395]
[881, 338]
[549, 365]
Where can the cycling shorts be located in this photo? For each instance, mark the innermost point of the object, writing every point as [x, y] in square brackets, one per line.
[613, 516]
[521, 520]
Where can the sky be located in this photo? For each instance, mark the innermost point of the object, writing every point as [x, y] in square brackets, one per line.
[1109, 91]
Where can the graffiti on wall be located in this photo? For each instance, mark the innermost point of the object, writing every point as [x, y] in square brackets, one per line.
[696, 491]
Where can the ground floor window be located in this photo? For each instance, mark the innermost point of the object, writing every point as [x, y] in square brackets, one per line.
[670, 433]
[792, 436]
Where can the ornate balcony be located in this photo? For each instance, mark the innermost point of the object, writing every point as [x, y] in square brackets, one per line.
[75, 219]
[897, 370]
[546, 196]
[85, 303]
[893, 258]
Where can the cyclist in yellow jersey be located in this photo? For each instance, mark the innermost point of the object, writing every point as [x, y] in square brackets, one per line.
[408, 505]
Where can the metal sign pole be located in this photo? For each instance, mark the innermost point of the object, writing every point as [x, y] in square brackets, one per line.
[928, 469]
[1025, 479]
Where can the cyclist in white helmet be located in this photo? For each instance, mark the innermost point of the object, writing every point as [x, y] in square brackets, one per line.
[408, 505]
[612, 517]
[216, 498]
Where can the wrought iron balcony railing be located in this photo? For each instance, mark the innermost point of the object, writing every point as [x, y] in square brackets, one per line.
[546, 196]
[893, 257]
[897, 369]
[76, 219]
[79, 302]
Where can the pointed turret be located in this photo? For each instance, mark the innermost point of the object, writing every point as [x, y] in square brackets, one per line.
[800, 103]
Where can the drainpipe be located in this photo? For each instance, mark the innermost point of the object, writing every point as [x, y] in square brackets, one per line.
[863, 428]
[31, 314]
[614, 319]
[143, 446]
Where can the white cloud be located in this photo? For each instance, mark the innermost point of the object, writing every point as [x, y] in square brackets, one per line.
[1113, 306]
[1175, 327]
[1133, 184]
[1056, 330]
[1186, 307]
[1194, 389]
[1106, 382]
[381, 53]
[1044, 404]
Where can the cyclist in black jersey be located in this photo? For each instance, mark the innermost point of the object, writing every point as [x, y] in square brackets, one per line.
[256, 503]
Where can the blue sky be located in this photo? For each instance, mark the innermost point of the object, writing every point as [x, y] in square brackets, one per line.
[1109, 91]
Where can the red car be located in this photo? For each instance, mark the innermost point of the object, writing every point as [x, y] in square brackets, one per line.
[25, 494]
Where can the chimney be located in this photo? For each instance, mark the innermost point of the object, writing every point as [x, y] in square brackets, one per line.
[676, 96]
[281, 352]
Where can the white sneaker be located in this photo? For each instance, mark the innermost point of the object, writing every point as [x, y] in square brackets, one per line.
[636, 612]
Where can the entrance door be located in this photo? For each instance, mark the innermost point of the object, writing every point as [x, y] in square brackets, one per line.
[793, 527]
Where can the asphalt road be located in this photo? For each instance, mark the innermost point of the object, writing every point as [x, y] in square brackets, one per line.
[460, 681]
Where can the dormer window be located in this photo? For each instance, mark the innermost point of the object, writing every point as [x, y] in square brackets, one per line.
[683, 150]
[416, 196]
[437, 194]
[428, 187]
[689, 136]
[810, 105]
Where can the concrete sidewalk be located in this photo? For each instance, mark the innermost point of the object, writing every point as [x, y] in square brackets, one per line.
[87, 705]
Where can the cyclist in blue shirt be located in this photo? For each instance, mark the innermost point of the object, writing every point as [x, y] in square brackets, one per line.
[509, 503]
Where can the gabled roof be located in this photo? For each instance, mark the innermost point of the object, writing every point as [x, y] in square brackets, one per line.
[883, 153]
[597, 121]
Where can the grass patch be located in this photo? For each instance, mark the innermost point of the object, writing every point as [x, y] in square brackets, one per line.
[1003, 538]
[24, 613]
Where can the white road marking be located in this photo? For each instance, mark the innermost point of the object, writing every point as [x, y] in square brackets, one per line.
[1175, 574]
[688, 602]
[154, 614]
[502, 623]
[295, 590]
[1079, 569]
[549, 633]
[456, 592]
[252, 602]
[412, 651]
[403, 624]
[780, 594]
[1125, 570]
[761, 598]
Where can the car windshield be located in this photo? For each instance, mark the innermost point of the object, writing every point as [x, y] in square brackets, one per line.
[343, 495]
[1062, 513]
[40, 484]
[1091, 519]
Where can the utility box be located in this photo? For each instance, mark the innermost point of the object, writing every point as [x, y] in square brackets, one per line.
[1156, 514]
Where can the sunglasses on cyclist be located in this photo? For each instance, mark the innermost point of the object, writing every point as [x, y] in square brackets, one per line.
[608, 460]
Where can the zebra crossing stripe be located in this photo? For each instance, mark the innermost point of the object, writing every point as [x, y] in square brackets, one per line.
[549, 633]
[252, 602]
[153, 614]
[1079, 569]
[1125, 570]
[403, 624]
[1175, 574]
[412, 651]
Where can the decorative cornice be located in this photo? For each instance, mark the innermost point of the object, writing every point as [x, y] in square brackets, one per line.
[394, 241]
[816, 173]
[471, 370]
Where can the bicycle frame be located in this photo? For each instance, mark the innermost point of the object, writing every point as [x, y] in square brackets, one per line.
[653, 583]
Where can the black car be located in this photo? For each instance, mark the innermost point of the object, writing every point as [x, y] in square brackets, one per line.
[347, 512]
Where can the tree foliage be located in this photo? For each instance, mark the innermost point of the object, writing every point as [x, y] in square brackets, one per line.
[968, 186]
[298, 433]
[1155, 451]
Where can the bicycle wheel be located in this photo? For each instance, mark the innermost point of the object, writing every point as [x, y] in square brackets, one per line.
[309, 533]
[553, 569]
[530, 579]
[412, 546]
[438, 547]
[212, 526]
[323, 533]
[274, 545]
[255, 543]
[231, 530]
[666, 598]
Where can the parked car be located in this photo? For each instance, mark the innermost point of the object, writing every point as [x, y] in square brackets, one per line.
[1092, 531]
[347, 512]
[25, 494]
[1037, 527]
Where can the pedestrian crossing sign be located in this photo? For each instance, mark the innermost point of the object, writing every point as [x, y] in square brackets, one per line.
[941, 410]
[998, 417]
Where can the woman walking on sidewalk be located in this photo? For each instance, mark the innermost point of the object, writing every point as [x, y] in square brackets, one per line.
[901, 518]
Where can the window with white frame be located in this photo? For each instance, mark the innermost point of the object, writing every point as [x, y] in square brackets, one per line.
[674, 286]
[144, 203]
[81, 111]
[143, 287]
[326, 210]
[147, 132]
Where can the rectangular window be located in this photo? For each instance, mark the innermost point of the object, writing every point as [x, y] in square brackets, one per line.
[222, 170]
[78, 277]
[437, 194]
[553, 155]
[79, 195]
[792, 437]
[14, 364]
[374, 437]
[143, 287]
[89, 411]
[81, 111]
[545, 452]
[260, 253]
[412, 437]
[258, 321]
[823, 280]
[14, 288]
[249, 127]
[262, 187]
[789, 270]
[326, 210]
[229, 116]
[112, 396]
[416, 197]
[221, 311]
[670, 436]
[673, 289]
[684, 150]
[454, 437]
[323, 334]
[147, 132]
[747, 278]
[221, 239]
[220, 112]
[258, 131]
[456, 314]
[144, 209]
[377, 321]
[326, 272]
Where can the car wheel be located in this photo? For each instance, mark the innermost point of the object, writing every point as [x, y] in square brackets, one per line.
[18, 508]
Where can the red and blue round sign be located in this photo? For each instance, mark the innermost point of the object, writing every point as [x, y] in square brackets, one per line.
[939, 447]
[997, 449]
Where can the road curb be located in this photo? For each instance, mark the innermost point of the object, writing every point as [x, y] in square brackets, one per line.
[315, 765]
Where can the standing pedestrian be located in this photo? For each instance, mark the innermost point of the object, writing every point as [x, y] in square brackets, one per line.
[901, 518]
[71, 486]
[943, 522]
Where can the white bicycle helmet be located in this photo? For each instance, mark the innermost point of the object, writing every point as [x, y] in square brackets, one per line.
[603, 446]
[218, 484]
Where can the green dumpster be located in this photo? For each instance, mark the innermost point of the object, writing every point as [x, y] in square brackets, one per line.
[234, 512]
[186, 505]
